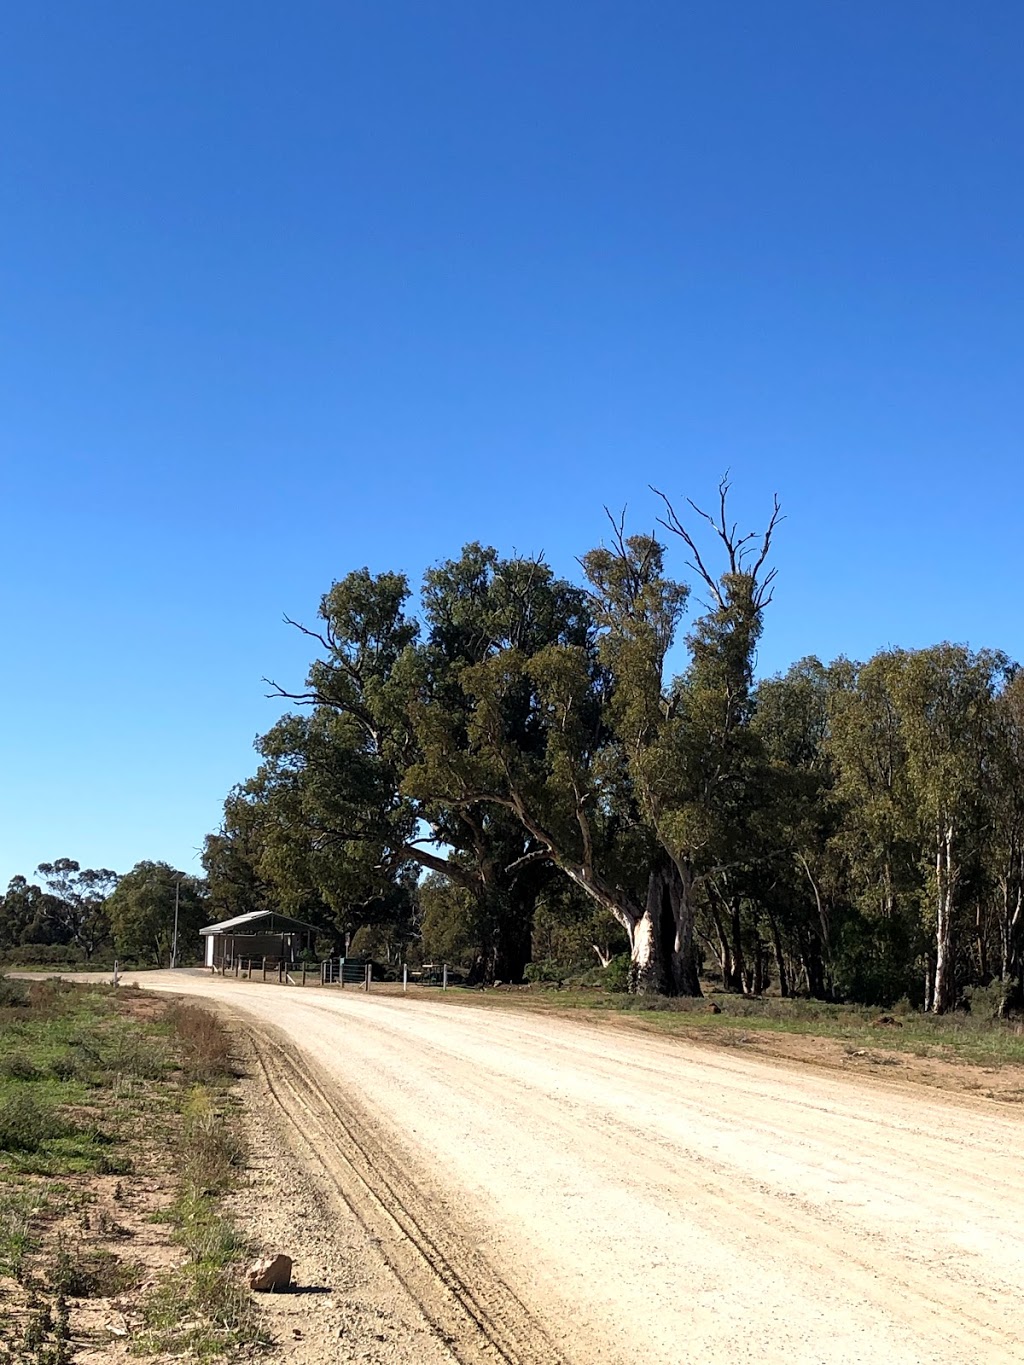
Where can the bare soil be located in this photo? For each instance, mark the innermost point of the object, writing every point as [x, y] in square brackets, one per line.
[490, 1184]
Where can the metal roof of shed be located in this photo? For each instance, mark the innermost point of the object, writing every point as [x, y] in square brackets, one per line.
[239, 920]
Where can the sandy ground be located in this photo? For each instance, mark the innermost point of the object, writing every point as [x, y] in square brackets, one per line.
[545, 1190]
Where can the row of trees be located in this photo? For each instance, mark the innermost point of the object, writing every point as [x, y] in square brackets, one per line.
[89, 911]
[515, 772]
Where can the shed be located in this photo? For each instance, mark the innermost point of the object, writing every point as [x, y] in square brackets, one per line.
[259, 934]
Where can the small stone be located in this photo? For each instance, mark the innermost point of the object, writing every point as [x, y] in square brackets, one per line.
[270, 1274]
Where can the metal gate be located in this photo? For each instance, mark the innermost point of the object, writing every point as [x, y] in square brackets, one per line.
[343, 971]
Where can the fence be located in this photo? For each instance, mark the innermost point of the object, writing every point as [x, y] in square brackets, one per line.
[267, 969]
[334, 971]
[345, 971]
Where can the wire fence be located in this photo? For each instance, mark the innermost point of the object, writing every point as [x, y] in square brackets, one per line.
[333, 971]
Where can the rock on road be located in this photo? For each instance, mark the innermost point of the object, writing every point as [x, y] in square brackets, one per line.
[650, 1200]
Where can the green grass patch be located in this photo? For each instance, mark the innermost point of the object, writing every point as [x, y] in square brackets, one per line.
[20, 1206]
[84, 1080]
[202, 1309]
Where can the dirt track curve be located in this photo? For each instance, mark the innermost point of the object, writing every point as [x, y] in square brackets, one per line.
[555, 1191]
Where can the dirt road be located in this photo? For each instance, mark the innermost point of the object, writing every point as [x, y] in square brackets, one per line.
[555, 1191]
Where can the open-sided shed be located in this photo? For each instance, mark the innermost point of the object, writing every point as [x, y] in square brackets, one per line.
[260, 934]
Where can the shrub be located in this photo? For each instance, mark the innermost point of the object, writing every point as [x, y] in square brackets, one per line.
[92, 1274]
[616, 974]
[545, 970]
[51, 994]
[19, 1066]
[209, 1148]
[44, 954]
[204, 1043]
[127, 1052]
[994, 1001]
[28, 1122]
[13, 994]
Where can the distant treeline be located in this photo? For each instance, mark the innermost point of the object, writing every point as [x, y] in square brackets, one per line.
[73, 915]
[511, 776]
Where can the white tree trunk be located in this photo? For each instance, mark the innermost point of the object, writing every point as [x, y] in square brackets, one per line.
[944, 995]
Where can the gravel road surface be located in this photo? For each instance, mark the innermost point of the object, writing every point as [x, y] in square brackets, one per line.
[549, 1190]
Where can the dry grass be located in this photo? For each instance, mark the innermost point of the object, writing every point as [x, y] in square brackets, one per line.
[88, 1074]
[203, 1044]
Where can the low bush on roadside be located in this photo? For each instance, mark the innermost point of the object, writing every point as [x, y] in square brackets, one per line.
[615, 977]
[210, 1152]
[13, 994]
[19, 1066]
[44, 955]
[28, 1122]
[125, 1051]
[46, 1339]
[203, 1043]
[92, 1274]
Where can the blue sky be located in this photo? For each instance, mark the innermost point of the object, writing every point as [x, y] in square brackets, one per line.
[290, 289]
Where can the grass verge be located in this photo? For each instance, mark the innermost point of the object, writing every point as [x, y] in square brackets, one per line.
[115, 1111]
[201, 1310]
[974, 1038]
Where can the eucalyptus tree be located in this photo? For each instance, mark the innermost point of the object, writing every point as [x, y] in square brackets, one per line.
[231, 859]
[945, 695]
[355, 783]
[1005, 843]
[708, 798]
[635, 786]
[807, 888]
[314, 832]
[696, 765]
[143, 909]
[482, 611]
[77, 902]
[27, 914]
[884, 943]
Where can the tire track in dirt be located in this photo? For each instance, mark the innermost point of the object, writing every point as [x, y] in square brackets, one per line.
[856, 1264]
[477, 1315]
[651, 1201]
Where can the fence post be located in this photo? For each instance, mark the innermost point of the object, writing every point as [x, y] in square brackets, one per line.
[280, 970]
[341, 972]
[264, 968]
[444, 977]
[366, 974]
[117, 974]
[303, 971]
[405, 977]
